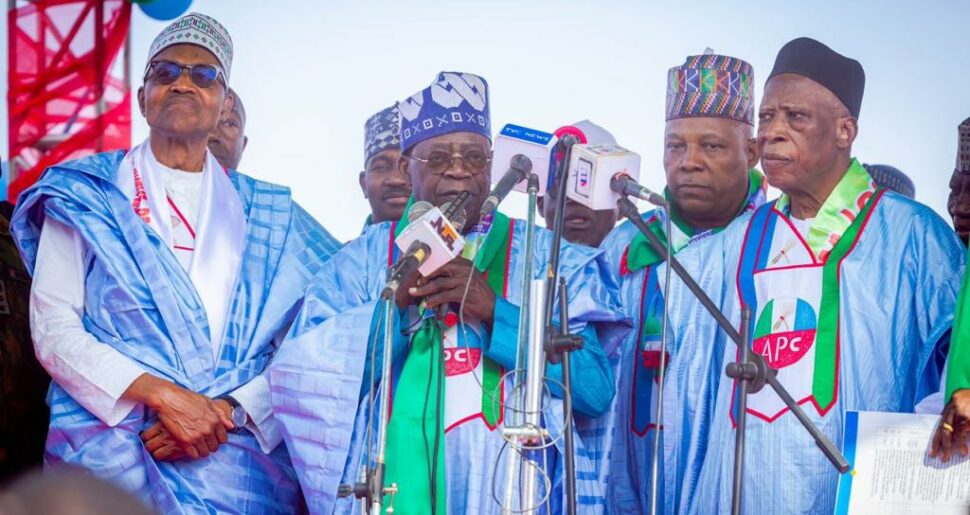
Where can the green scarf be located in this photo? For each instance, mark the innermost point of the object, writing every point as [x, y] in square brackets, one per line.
[415, 420]
[839, 210]
[958, 368]
[640, 254]
[831, 236]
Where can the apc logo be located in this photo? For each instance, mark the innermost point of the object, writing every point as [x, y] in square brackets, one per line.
[785, 331]
[584, 177]
[445, 231]
[461, 360]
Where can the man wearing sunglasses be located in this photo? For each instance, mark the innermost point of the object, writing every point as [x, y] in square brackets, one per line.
[228, 140]
[161, 281]
[385, 187]
[451, 349]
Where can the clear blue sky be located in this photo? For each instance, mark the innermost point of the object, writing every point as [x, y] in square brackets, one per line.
[310, 73]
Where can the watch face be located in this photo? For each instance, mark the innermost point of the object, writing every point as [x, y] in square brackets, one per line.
[238, 417]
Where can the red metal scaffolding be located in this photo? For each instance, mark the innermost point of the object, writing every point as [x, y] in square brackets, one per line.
[69, 89]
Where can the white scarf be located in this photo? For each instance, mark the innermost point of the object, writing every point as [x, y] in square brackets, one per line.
[220, 230]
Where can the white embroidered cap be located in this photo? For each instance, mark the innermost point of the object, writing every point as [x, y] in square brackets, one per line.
[196, 29]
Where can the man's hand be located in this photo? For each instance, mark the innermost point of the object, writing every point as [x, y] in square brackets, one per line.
[194, 421]
[954, 428]
[447, 284]
[160, 443]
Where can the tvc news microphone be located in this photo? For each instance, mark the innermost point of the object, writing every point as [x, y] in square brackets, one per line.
[518, 151]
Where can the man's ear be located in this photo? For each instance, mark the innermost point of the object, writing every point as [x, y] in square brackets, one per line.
[141, 101]
[362, 179]
[751, 151]
[541, 204]
[846, 132]
[245, 142]
[403, 166]
[228, 100]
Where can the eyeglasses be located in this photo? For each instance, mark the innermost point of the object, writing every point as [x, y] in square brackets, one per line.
[167, 72]
[473, 161]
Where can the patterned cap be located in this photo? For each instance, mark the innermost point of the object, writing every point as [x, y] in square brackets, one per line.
[711, 85]
[455, 102]
[196, 29]
[381, 132]
[892, 178]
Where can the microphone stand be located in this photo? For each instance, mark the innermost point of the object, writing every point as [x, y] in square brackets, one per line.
[370, 489]
[752, 371]
[559, 343]
[525, 424]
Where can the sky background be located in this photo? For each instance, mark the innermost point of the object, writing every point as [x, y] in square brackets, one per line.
[310, 72]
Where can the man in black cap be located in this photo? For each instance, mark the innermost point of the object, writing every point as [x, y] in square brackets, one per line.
[852, 290]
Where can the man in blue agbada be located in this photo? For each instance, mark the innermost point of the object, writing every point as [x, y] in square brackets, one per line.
[320, 378]
[852, 290]
[709, 155]
[162, 283]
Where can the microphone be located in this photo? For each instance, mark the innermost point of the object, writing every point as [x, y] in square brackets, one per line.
[592, 169]
[418, 252]
[429, 242]
[516, 140]
[519, 168]
[625, 185]
[454, 210]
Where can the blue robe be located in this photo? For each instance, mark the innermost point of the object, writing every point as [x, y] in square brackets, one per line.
[622, 441]
[897, 295]
[140, 300]
[320, 375]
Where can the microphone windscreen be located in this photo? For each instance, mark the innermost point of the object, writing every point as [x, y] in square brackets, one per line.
[418, 209]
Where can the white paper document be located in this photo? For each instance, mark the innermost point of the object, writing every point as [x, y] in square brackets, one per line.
[891, 471]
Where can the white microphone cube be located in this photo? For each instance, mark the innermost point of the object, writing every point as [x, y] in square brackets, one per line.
[591, 167]
[436, 231]
[534, 144]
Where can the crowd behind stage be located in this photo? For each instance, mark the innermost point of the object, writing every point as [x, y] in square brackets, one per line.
[179, 336]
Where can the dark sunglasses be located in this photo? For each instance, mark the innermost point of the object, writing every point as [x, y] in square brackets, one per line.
[167, 72]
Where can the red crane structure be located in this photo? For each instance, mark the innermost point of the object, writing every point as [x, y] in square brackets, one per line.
[69, 83]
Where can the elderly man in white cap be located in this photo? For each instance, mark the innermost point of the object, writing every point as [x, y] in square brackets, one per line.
[161, 282]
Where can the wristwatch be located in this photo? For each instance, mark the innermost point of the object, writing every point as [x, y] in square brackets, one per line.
[238, 416]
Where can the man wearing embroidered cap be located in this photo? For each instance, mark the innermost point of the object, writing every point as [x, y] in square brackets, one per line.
[445, 140]
[709, 155]
[385, 186]
[161, 281]
[813, 266]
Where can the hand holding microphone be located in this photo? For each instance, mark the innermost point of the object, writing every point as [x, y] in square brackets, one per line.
[429, 242]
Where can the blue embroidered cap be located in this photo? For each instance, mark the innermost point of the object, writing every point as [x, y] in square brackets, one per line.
[381, 132]
[455, 102]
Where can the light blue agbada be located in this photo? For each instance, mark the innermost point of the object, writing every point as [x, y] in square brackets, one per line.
[876, 344]
[621, 442]
[140, 300]
[317, 386]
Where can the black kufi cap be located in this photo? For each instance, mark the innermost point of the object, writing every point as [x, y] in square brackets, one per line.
[839, 74]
